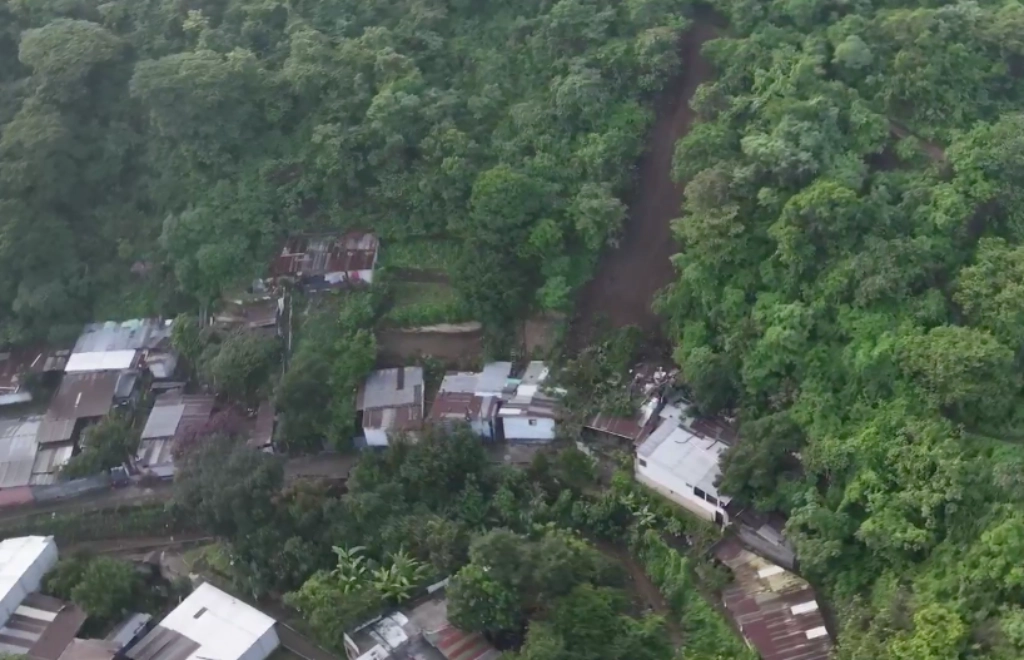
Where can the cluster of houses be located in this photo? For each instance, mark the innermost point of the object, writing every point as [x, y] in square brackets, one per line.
[108, 367]
[677, 454]
[209, 624]
[497, 405]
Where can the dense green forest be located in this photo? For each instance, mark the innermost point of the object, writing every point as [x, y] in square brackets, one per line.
[154, 152]
[851, 279]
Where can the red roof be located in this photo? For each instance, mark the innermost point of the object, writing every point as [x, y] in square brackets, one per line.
[462, 405]
[630, 429]
[19, 362]
[458, 645]
[777, 611]
[318, 255]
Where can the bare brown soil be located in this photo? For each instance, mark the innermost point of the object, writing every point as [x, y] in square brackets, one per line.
[628, 277]
[458, 349]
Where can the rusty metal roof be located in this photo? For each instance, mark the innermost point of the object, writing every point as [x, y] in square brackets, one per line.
[777, 611]
[622, 427]
[79, 396]
[318, 255]
[173, 416]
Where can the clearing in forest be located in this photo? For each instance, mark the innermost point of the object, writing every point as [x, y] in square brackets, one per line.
[628, 277]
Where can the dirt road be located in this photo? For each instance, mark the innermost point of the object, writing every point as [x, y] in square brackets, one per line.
[628, 277]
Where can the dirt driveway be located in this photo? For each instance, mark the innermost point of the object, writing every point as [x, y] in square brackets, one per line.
[628, 277]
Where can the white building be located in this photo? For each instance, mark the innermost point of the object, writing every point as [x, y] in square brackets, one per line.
[680, 461]
[23, 563]
[530, 414]
[391, 403]
[209, 625]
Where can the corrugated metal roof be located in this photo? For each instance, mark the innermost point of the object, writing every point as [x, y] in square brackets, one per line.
[528, 398]
[163, 644]
[458, 645]
[173, 416]
[17, 363]
[84, 395]
[776, 611]
[622, 427]
[18, 445]
[305, 256]
[48, 461]
[387, 388]
[493, 378]
[396, 418]
[136, 334]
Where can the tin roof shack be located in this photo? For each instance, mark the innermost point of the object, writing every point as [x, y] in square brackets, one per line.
[529, 412]
[680, 460]
[473, 398]
[18, 365]
[123, 345]
[776, 611]
[209, 625]
[173, 416]
[23, 462]
[83, 398]
[326, 262]
[391, 403]
[420, 632]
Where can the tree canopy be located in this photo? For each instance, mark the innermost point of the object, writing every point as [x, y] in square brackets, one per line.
[190, 138]
[848, 280]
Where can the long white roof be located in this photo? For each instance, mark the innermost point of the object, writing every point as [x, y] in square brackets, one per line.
[224, 627]
[686, 455]
[100, 361]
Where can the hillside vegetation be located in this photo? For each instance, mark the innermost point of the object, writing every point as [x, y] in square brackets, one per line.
[852, 280]
[154, 152]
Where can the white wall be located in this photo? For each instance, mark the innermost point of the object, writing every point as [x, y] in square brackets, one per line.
[671, 487]
[263, 647]
[376, 437]
[520, 428]
[28, 560]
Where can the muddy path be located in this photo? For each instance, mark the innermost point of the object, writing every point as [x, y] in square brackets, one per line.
[628, 277]
[642, 589]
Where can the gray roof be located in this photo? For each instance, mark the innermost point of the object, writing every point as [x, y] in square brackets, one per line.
[18, 447]
[163, 644]
[135, 334]
[535, 374]
[388, 388]
[163, 421]
[493, 378]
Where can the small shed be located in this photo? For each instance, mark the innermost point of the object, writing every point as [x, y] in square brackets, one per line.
[530, 412]
[473, 398]
[325, 262]
[172, 417]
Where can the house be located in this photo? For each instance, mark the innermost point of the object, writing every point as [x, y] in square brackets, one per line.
[31, 624]
[474, 398]
[529, 413]
[390, 403]
[111, 346]
[776, 611]
[209, 625]
[18, 364]
[326, 262]
[421, 632]
[680, 460]
[173, 416]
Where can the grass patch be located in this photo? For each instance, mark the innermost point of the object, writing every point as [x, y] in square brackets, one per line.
[423, 254]
[424, 303]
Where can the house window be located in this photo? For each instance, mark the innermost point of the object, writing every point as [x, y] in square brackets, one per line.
[642, 462]
[711, 499]
[533, 422]
[699, 493]
[201, 612]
